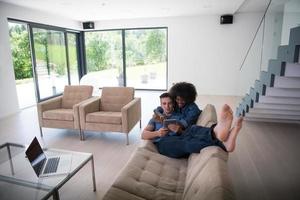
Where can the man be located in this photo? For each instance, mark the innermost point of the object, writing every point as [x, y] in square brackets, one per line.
[180, 143]
[155, 130]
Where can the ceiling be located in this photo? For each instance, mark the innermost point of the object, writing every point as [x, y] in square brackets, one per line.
[94, 10]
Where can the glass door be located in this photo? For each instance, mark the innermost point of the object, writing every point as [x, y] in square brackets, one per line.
[104, 59]
[20, 48]
[146, 58]
[73, 57]
[49, 54]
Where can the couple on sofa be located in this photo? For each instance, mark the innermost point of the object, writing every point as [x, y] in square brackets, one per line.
[181, 138]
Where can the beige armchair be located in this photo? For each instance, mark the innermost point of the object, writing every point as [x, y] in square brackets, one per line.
[117, 111]
[63, 111]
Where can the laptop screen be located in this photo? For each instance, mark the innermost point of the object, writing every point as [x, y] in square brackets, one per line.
[34, 150]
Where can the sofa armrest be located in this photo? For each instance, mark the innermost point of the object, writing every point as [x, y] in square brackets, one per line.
[88, 106]
[50, 104]
[131, 114]
[208, 116]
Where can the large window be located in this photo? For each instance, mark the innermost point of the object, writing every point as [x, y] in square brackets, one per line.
[104, 58]
[51, 61]
[124, 57]
[73, 58]
[146, 65]
[20, 48]
[55, 55]
[128, 57]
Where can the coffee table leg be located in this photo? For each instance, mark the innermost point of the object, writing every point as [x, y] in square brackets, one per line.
[10, 161]
[93, 173]
[56, 195]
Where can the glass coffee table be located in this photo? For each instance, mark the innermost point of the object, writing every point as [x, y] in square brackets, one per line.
[19, 181]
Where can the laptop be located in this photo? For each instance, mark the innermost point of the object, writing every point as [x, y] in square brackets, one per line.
[47, 166]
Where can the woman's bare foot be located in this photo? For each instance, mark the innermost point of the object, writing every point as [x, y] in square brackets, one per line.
[224, 124]
[230, 142]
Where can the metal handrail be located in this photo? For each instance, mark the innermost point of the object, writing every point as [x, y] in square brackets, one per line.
[261, 21]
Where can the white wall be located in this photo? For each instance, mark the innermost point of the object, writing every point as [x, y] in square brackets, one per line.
[8, 100]
[202, 51]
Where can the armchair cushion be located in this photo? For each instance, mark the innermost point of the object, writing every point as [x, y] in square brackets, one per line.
[114, 98]
[59, 114]
[105, 117]
[75, 94]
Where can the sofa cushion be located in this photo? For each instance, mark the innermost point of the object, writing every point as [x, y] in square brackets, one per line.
[114, 98]
[105, 117]
[59, 114]
[74, 94]
[148, 144]
[117, 194]
[153, 176]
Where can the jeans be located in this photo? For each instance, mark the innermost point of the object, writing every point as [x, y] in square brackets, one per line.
[190, 141]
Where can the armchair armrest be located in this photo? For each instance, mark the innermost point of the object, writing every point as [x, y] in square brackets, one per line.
[88, 106]
[208, 116]
[48, 105]
[131, 114]
[77, 113]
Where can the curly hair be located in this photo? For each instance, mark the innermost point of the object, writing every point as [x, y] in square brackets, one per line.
[185, 90]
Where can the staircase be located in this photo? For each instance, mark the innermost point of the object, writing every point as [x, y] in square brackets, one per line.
[275, 97]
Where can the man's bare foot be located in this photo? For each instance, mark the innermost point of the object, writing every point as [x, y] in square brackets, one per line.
[230, 142]
[224, 124]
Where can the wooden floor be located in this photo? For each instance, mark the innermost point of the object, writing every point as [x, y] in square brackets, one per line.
[265, 165]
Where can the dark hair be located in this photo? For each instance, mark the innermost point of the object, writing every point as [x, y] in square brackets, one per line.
[185, 90]
[165, 95]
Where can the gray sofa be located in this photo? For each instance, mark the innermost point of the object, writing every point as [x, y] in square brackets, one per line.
[150, 175]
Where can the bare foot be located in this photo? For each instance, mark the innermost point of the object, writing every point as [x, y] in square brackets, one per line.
[230, 142]
[224, 124]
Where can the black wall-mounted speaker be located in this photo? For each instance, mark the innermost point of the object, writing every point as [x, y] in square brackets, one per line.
[226, 19]
[88, 25]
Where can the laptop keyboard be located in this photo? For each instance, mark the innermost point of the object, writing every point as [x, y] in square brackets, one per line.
[38, 167]
[51, 166]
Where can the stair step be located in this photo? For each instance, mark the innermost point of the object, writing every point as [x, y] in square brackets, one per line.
[292, 70]
[279, 100]
[294, 38]
[282, 53]
[276, 106]
[272, 120]
[286, 82]
[282, 92]
[274, 111]
[273, 116]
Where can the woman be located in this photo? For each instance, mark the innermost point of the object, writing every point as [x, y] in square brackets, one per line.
[185, 95]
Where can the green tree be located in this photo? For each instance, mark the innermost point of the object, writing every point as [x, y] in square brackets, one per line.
[135, 47]
[155, 46]
[97, 51]
[20, 51]
[42, 39]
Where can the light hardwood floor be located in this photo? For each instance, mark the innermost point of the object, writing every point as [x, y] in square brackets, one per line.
[264, 166]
